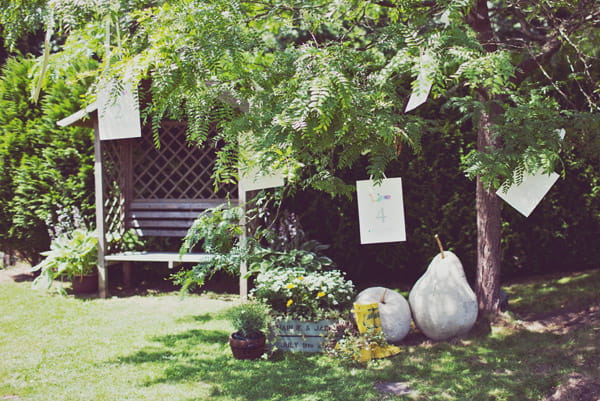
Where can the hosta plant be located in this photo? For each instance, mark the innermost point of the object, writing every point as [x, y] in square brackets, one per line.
[71, 255]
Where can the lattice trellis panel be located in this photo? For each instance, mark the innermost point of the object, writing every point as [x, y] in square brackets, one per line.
[114, 203]
[176, 170]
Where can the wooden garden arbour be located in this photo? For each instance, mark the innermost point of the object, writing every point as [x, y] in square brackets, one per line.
[156, 191]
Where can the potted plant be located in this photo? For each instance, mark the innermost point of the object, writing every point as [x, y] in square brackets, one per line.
[72, 256]
[249, 320]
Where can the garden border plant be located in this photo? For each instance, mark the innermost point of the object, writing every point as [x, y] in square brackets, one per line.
[72, 255]
[290, 272]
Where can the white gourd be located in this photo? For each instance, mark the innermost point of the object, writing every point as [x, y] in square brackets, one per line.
[393, 310]
[443, 304]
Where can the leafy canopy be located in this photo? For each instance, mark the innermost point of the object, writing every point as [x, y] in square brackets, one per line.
[325, 83]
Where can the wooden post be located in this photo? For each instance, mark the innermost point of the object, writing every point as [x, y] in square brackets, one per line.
[125, 196]
[243, 239]
[99, 198]
[127, 274]
[126, 179]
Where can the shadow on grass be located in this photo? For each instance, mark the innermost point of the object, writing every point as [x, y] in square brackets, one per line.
[535, 298]
[519, 366]
[516, 365]
[205, 317]
[204, 356]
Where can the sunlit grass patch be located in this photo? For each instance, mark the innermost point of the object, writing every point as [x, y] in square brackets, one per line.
[554, 292]
[167, 348]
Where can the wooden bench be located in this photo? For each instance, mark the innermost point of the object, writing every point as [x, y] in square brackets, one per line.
[161, 218]
[165, 217]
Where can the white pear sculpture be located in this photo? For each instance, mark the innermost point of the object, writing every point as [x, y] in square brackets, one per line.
[442, 303]
[393, 310]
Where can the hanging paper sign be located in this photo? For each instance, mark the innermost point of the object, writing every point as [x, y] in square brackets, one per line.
[422, 85]
[256, 179]
[118, 118]
[380, 211]
[524, 197]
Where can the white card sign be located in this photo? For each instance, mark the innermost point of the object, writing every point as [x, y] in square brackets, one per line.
[422, 85]
[255, 179]
[524, 197]
[118, 118]
[380, 211]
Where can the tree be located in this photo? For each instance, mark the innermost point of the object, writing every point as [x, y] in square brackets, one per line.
[21, 27]
[327, 83]
[45, 172]
[540, 37]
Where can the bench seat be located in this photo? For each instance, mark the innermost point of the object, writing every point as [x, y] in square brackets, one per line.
[171, 258]
[162, 218]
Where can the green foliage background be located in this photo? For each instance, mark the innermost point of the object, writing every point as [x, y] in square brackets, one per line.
[45, 170]
[560, 235]
[326, 83]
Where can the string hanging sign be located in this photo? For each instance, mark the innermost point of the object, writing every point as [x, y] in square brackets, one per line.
[527, 194]
[255, 179]
[422, 85]
[381, 211]
[118, 112]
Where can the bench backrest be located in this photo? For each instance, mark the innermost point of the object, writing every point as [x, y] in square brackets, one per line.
[166, 217]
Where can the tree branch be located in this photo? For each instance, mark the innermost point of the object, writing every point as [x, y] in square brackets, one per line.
[479, 20]
[392, 4]
[528, 65]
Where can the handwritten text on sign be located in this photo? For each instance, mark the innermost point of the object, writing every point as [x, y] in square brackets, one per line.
[381, 211]
[297, 336]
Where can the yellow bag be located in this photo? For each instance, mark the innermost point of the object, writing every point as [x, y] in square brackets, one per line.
[367, 317]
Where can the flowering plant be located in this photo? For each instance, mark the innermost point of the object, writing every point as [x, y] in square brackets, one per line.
[301, 294]
[344, 341]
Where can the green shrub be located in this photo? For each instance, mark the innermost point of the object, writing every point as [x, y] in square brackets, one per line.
[249, 319]
[43, 167]
[217, 232]
[560, 235]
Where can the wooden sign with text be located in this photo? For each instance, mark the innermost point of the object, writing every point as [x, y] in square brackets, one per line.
[298, 336]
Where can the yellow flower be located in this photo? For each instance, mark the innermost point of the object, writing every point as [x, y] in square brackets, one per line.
[289, 302]
[321, 294]
[290, 286]
[300, 278]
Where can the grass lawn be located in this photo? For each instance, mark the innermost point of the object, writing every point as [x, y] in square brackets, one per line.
[164, 348]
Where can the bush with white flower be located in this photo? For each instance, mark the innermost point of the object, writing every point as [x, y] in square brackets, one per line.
[297, 293]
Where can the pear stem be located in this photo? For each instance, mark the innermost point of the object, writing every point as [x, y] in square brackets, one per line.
[382, 300]
[437, 238]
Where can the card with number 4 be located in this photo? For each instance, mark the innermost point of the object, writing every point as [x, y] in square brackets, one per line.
[381, 211]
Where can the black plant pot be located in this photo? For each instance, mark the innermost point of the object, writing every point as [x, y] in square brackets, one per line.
[247, 348]
[85, 284]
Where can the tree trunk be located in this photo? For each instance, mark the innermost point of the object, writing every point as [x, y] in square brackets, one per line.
[489, 229]
[489, 225]
[487, 204]
[488, 250]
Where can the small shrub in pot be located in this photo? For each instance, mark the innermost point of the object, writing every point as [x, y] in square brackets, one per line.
[249, 320]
